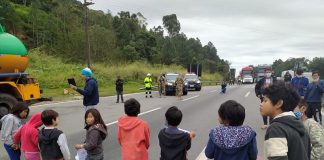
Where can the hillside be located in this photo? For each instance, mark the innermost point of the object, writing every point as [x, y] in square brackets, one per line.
[52, 73]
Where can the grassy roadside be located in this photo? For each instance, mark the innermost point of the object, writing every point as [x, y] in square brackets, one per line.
[52, 74]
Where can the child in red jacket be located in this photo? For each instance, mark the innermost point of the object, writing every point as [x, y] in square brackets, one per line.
[27, 136]
[133, 133]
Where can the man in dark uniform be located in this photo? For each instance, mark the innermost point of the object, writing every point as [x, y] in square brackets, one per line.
[119, 89]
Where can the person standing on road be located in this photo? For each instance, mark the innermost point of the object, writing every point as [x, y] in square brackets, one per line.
[119, 89]
[299, 83]
[90, 92]
[179, 82]
[161, 83]
[148, 85]
[261, 85]
[27, 136]
[232, 140]
[313, 97]
[174, 142]
[133, 133]
[96, 134]
[287, 77]
[223, 86]
[10, 125]
[314, 129]
[52, 141]
[286, 138]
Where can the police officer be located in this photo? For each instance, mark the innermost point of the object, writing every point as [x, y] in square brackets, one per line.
[161, 82]
[179, 82]
[148, 85]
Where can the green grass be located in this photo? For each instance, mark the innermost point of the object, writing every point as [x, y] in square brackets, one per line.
[52, 75]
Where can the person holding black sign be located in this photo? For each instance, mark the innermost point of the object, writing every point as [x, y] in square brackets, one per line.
[90, 92]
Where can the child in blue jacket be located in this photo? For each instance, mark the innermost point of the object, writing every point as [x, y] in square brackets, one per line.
[232, 140]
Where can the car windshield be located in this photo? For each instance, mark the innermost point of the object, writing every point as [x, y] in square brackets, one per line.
[191, 77]
[171, 77]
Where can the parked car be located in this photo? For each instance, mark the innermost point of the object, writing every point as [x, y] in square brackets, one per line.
[170, 87]
[247, 79]
[193, 81]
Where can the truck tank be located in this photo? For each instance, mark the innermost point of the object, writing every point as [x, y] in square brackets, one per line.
[13, 55]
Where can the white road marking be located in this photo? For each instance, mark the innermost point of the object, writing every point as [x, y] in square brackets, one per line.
[190, 98]
[152, 110]
[149, 111]
[111, 123]
[56, 103]
[247, 94]
[202, 155]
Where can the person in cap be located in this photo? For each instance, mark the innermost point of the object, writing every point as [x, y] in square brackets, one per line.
[90, 92]
[148, 85]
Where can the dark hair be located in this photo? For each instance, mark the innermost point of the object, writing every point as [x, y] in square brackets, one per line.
[97, 117]
[173, 116]
[315, 72]
[48, 116]
[279, 91]
[299, 71]
[302, 103]
[132, 107]
[18, 108]
[232, 112]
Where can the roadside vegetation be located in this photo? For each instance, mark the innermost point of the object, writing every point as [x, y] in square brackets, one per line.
[52, 74]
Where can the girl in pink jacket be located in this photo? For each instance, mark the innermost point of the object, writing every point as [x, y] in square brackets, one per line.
[27, 135]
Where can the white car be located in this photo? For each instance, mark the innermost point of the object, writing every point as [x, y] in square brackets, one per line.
[247, 79]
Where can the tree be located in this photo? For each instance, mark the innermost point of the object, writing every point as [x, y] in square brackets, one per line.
[172, 24]
[317, 65]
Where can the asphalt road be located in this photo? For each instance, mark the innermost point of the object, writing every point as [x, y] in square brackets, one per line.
[199, 114]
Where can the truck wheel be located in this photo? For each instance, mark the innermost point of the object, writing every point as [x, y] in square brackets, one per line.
[7, 101]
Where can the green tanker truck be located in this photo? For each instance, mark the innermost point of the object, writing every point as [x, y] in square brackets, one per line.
[15, 84]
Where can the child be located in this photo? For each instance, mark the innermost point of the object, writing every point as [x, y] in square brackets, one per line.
[52, 142]
[174, 142]
[133, 133]
[232, 140]
[96, 134]
[27, 135]
[314, 129]
[10, 125]
[286, 137]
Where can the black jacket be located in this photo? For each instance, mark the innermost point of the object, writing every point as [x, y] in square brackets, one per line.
[259, 87]
[174, 146]
[287, 139]
[48, 143]
[119, 85]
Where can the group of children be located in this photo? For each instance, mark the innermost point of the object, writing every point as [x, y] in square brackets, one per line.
[291, 135]
[48, 143]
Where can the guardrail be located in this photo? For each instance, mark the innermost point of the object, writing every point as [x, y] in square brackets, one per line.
[210, 83]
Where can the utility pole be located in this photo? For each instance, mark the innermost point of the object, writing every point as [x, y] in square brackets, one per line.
[87, 51]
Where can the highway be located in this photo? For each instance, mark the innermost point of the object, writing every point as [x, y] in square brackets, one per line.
[199, 114]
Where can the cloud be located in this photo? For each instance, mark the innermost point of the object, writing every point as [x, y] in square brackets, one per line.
[243, 31]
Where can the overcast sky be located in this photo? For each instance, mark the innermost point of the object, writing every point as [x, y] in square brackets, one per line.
[243, 31]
